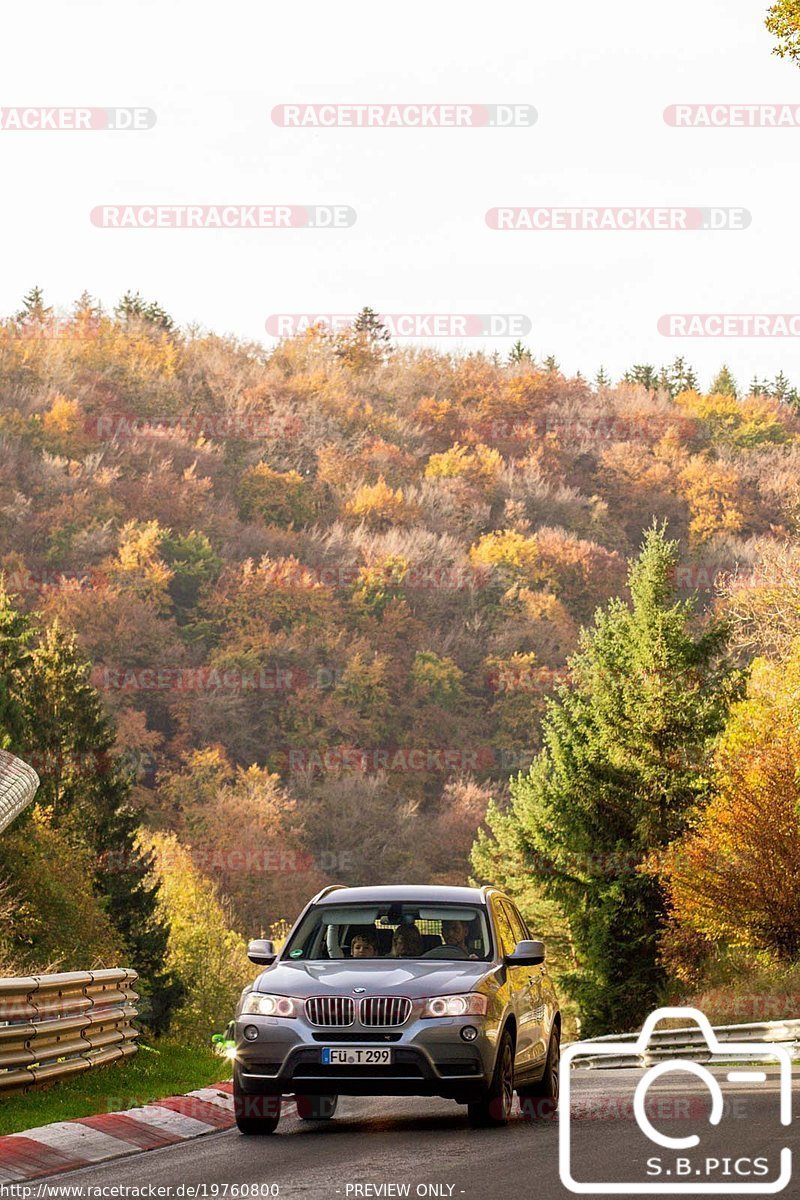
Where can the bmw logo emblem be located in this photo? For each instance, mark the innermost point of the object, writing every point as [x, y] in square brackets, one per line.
[359, 991]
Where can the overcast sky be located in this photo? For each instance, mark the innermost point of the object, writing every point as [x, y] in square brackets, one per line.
[599, 76]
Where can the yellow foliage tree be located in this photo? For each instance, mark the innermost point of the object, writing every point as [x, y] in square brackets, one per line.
[714, 495]
[63, 425]
[511, 555]
[138, 569]
[479, 465]
[736, 875]
[208, 957]
[380, 506]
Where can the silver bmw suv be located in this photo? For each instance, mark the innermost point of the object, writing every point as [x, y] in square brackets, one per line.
[398, 991]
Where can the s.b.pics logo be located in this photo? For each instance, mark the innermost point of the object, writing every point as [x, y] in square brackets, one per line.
[721, 1083]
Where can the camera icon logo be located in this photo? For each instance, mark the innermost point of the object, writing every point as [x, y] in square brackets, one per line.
[678, 1172]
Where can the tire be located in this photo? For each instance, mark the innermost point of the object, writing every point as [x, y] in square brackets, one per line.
[539, 1101]
[494, 1108]
[317, 1108]
[255, 1114]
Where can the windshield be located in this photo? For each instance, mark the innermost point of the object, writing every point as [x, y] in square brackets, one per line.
[392, 930]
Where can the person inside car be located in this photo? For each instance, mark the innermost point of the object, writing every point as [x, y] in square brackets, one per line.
[407, 942]
[364, 944]
[455, 945]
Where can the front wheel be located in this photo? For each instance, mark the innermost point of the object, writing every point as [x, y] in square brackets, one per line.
[255, 1114]
[317, 1108]
[494, 1107]
[539, 1101]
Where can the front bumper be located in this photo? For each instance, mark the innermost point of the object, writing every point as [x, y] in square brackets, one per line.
[429, 1058]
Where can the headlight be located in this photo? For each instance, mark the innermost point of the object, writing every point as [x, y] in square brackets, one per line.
[257, 1004]
[472, 1004]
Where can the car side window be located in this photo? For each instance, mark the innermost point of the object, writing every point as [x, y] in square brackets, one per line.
[517, 924]
[503, 926]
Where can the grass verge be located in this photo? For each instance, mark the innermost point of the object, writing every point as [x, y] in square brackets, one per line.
[165, 1069]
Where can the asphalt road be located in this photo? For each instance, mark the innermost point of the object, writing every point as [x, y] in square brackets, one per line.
[428, 1146]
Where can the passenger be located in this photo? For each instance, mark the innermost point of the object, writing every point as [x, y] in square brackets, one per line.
[407, 942]
[364, 944]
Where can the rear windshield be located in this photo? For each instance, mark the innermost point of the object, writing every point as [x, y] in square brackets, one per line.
[392, 930]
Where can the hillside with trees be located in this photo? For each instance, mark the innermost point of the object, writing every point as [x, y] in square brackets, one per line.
[273, 618]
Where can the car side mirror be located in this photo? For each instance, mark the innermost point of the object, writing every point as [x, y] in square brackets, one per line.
[262, 952]
[526, 954]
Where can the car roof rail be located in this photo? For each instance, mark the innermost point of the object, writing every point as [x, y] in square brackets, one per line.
[326, 891]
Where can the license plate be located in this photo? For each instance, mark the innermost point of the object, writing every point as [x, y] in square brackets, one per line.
[355, 1056]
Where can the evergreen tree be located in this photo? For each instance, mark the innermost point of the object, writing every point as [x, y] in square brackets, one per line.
[680, 377]
[623, 766]
[15, 636]
[34, 309]
[551, 365]
[366, 344]
[782, 389]
[369, 326]
[519, 353]
[602, 379]
[87, 796]
[133, 307]
[643, 374]
[724, 384]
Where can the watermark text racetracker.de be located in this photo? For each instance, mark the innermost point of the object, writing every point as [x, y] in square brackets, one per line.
[733, 325]
[410, 325]
[223, 216]
[30, 119]
[733, 116]
[403, 115]
[621, 219]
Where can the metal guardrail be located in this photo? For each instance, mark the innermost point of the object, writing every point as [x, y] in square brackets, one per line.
[691, 1043]
[18, 784]
[54, 1026]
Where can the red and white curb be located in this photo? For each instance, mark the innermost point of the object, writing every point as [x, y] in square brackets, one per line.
[68, 1145]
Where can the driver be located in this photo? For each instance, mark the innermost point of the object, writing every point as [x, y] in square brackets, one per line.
[455, 933]
[455, 945]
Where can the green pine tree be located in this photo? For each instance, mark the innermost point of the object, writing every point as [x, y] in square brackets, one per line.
[782, 389]
[369, 326]
[642, 373]
[724, 384]
[15, 637]
[623, 766]
[519, 353]
[87, 794]
[679, 377]
[33, 308]
[133, 307]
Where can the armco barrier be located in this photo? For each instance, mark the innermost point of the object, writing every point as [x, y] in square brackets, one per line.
[18, 784]
[690, 1042]
[53, 1026]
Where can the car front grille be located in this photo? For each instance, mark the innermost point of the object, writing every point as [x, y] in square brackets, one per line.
[330, 1011]
[384, 1010]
